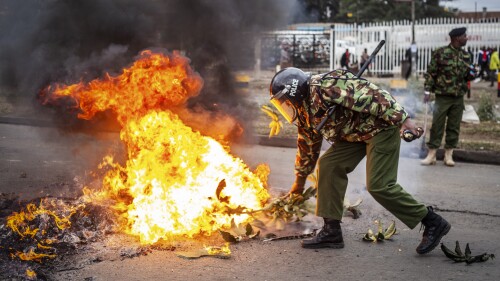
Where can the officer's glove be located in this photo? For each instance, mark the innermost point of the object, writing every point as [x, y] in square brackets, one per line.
[298, 185]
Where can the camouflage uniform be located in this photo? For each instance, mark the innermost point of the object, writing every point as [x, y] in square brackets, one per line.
[365, 122]
[447, 75]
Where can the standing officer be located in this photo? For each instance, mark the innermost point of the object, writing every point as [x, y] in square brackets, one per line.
[366, 121]
[447, 75]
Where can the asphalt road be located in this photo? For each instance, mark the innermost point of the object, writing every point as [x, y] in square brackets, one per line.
[40, 161]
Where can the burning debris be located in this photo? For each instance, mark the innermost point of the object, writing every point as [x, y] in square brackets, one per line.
[240, 233]
[291, 207]
[45, 229]
[171, 168]
[219, 252]
[176, 183]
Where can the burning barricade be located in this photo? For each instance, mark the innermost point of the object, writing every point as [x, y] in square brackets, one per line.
[177, 182]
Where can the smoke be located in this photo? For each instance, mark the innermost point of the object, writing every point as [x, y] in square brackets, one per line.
[67, 41]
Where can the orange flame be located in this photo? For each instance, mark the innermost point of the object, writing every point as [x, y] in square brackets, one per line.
[154, 81]
[22, 223]
[176, 181]
[19, 222]
[222, 251]
[30, 274]
[31, 255]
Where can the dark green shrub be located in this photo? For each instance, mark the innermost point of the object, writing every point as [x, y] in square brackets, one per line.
[486, 112]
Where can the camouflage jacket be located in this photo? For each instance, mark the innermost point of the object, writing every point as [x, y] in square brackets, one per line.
[447, 73]
[361, 111]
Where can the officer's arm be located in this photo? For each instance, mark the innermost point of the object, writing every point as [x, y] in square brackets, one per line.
[308, 149]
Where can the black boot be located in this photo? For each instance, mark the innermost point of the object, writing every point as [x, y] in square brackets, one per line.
[435, 228]
[330, 236]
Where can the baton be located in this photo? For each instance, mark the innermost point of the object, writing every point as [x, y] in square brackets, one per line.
[330, 110]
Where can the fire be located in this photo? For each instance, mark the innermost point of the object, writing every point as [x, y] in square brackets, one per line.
[176, 181]
[30, 274]
[223, 251]
[154, 81]
[34, 223]
[19, 221]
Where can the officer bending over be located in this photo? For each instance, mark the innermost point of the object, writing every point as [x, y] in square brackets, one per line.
[366, 121]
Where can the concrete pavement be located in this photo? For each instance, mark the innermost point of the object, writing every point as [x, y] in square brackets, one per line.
[40, 161]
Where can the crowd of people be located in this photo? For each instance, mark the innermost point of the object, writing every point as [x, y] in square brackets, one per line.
[488, 64]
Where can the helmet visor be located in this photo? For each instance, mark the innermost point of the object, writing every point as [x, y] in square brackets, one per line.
[284, 106]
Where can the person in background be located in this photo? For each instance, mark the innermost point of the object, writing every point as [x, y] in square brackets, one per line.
[285, 58]
[408, 59]
[364, 59]
[494, 66]
[366, 121]
[447, 75]
[344, 60]
[482, 61]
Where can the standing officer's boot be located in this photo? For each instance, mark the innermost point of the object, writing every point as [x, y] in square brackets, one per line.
[431, 157]
[330, 236]
[448, 158]
[435, 228]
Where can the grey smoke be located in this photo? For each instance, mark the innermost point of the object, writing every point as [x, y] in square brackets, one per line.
[66, 41]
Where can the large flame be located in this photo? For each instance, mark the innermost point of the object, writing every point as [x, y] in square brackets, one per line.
[176, 181]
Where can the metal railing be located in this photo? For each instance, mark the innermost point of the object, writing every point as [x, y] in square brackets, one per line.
[311, 49]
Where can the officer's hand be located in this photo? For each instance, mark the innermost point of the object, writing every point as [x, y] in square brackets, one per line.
[298, 185]
[427, 97]
[409, 125]
[473, 73]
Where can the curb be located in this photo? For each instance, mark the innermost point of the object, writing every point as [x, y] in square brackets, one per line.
[459, 155]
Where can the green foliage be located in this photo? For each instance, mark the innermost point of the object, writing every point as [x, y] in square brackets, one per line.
[486, 108]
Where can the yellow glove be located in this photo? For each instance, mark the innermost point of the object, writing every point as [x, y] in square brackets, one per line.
[275, 124]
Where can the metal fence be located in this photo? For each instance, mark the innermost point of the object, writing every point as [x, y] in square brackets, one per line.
[310, 49]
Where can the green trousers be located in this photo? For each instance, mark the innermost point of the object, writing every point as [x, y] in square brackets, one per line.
[446, 117]
[382, 152]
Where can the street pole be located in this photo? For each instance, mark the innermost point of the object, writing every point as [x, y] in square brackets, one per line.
[332, 46]
[413, 21]
[413, 42]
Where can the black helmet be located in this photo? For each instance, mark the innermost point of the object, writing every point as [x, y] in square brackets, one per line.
[289, 87]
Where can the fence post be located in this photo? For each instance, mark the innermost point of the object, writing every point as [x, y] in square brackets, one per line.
[332, 46]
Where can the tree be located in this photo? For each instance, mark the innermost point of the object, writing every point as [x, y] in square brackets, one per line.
[319, 10]
[370, 10]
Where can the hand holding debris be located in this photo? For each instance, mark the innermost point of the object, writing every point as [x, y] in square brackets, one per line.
[291, 206]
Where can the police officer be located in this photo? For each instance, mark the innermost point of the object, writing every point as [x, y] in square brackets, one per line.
[447, 75]
[366, 121]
